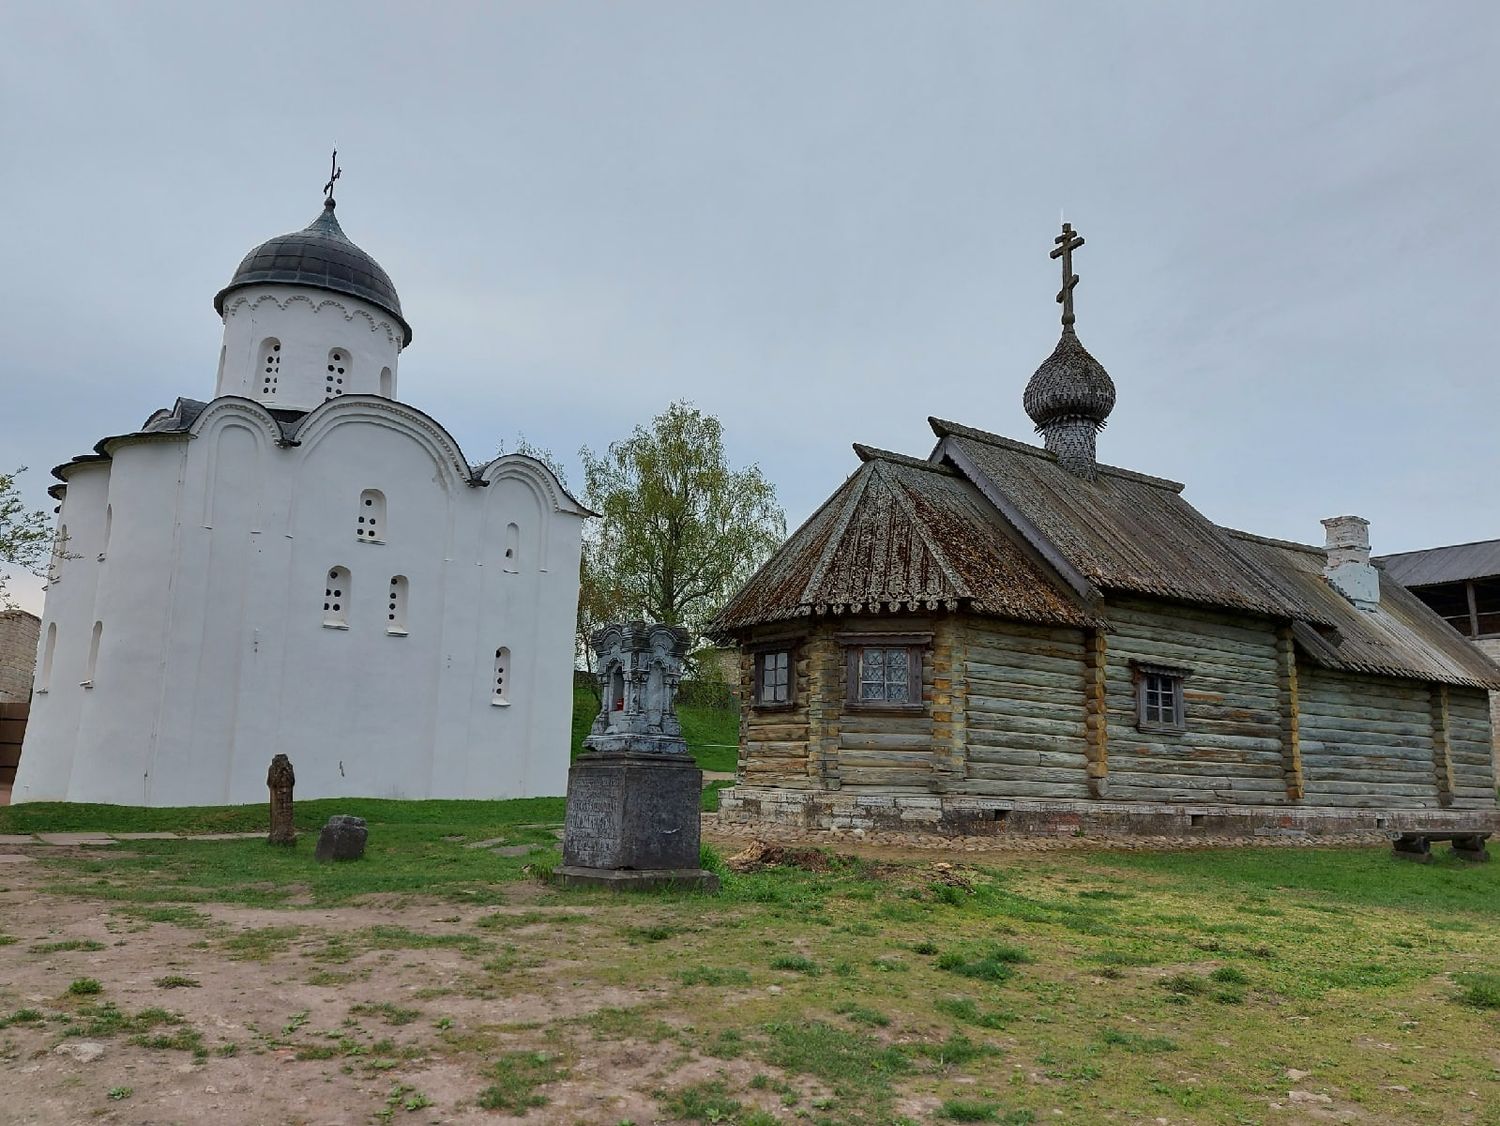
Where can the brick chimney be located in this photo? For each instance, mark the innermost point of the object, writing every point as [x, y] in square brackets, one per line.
[1349, 570]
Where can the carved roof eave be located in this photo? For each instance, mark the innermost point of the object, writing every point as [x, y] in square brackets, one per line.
[894, 605]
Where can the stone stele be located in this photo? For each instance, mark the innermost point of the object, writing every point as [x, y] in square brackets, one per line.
[634, 794]
[342, 838]
[279, 780]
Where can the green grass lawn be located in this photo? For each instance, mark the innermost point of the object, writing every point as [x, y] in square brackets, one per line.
[1105, 986]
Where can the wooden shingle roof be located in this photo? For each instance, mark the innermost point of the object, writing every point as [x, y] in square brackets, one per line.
[901, 534]
[1122, 531]
[1402, 636]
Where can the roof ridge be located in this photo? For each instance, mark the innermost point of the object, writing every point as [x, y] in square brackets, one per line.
[875, 453]
[861, 482]
[943, 428]
[1240, 534]
[1443, 547]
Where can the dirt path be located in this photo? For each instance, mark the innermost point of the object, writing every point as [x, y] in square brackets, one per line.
[303, 1022]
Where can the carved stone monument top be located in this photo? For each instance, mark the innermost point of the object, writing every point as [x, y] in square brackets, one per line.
[634, 794]
[640, 667]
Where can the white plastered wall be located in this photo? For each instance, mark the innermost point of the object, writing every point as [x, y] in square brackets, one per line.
[309, 324]
[214, 655]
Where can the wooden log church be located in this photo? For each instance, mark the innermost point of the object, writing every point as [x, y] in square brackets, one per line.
[1007, 636]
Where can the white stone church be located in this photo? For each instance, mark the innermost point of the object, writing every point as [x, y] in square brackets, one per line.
[304, 564]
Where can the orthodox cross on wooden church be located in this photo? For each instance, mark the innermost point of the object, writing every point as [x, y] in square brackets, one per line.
[1067, 242]
[335, 173]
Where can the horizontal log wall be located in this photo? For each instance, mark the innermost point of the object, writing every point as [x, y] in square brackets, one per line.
[1025, 721]
[1471, 749]
[884, 751]
[1231, 751]
[1367, 741]
[774, 744]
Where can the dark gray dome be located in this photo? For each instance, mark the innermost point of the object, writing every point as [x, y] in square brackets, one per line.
[319, 256]
[1070, 384]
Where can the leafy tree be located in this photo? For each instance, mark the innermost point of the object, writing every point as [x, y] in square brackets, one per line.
[679, 530]
[25, 534]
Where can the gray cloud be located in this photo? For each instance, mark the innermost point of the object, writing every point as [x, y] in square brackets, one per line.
[822, 222]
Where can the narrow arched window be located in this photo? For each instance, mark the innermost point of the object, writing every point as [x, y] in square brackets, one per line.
[502, 676]
[512, 548]
[336, 594]
[395, 610]
[338, 369]
[109, 519]
[371, 525]
[270, 366]
[88, 676]
[617, 690]
[387, 383]
[44, 681]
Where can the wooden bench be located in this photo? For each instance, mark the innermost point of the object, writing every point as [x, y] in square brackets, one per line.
[1418, 846]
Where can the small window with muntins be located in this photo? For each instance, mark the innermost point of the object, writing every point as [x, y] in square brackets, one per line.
[1159, 699]
[370, 525]
[885, 670]
[773, 678]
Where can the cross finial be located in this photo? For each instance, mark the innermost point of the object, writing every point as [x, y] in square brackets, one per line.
[334, 173]
[1067, 242]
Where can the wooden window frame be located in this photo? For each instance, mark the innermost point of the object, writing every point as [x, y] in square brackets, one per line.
[1142, 672]
[758, 653]
[915, 644]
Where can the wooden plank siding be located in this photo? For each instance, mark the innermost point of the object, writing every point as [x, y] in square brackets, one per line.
[1367, 741]
[1231, 751]
[1470, 748]
[1026, 711]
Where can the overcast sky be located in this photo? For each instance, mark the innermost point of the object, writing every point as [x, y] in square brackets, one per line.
[821, 222]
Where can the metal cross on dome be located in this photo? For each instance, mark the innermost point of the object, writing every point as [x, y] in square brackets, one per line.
[1067, 242]
[335, 173]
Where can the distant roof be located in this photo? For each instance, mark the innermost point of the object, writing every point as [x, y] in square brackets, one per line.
[1125, 531]
[900, 534]
[319, 256]
[1402, 636]
[1458, 563]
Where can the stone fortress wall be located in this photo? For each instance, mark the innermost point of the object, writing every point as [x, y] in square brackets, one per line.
[18, 638]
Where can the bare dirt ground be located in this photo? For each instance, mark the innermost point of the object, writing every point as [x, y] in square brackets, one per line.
[264, 1020]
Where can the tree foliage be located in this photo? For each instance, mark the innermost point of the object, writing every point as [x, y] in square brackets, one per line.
[25, 533]
[679, 530]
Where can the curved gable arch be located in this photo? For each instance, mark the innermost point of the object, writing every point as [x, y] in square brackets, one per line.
[220, 420]
[375, 411]
[234, 410]
[541, 480]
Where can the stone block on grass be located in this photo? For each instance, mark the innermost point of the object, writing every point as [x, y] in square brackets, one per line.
[342, 838]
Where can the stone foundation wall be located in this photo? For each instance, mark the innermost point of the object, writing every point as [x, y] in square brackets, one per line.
[975, 817]
[18, 638]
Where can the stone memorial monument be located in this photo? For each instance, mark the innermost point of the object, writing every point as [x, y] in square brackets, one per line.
[634, 794]
[279, 780]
